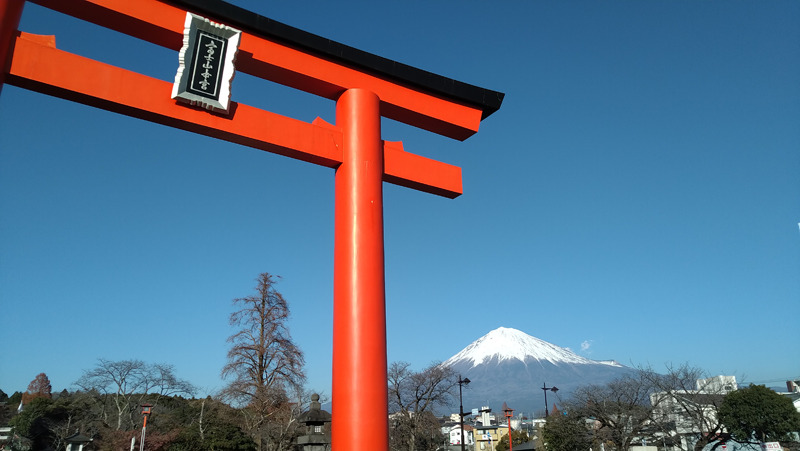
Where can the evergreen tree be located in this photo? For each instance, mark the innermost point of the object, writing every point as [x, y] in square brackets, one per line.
[566, 433]
[517, 437]
[757, 413]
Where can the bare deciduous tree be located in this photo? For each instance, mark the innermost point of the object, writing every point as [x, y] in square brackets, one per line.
[283, 427]
[413, 397]
[621, 409]
[687, 407]
[127, 382]
[264, 364]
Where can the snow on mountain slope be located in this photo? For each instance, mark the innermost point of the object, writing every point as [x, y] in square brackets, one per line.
[506, 344]
[507, 365]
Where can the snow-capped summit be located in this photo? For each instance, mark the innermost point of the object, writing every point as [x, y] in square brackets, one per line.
[505, 343]
[508, 365]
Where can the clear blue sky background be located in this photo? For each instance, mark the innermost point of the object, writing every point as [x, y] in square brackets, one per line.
[636, 197]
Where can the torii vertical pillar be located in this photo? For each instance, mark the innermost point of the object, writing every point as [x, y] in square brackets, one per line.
[359, 312]
[10, 14]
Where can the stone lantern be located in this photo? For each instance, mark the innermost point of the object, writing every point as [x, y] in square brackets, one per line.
[315, 438]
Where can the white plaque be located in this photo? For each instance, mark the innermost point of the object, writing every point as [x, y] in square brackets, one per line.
[206, 64]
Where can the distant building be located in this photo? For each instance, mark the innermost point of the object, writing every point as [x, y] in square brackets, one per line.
[717, 385]
[793, 393]
[672, 407]
[486, 437]
[78, 442]
[455, 434]
[486, 417]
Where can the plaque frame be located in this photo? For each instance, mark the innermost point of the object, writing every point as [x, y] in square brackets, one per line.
[225, 40]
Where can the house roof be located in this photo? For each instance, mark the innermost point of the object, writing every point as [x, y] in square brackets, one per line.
[703, 398]
[527, 446]
[78, 438]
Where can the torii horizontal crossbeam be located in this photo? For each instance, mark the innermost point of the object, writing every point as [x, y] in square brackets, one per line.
[421, 101]
[38, 65]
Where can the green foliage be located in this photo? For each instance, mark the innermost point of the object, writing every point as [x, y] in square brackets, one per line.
[14, 400]
[33, 421]
[418, 432]
[205, 424]
[127, 384]
[176, 423]
[5, 413]
[24, 423]
[518, 437]
[566, 433]
[221, 436]
[758, 413]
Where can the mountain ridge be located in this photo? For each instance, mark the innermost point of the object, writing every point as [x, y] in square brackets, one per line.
[508, 365]
[507, 343]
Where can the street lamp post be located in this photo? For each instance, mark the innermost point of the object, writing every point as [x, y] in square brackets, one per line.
[546, 388]
[145, 413]
[507, 411]
[461, 413]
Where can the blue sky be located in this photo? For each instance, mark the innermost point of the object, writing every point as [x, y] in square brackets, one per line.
[635, 198]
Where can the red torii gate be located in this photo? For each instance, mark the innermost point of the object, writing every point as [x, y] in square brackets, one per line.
[364, 86]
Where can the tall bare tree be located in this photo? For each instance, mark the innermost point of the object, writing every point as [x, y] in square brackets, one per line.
[264, 365]
[412, 399]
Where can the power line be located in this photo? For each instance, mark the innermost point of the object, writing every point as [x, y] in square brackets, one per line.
[771, 381]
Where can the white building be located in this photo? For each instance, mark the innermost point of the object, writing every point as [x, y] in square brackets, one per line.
[693, 411]
[455, 435]
[717, 385]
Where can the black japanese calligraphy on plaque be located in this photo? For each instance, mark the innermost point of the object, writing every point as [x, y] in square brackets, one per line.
[206, 67]
[206, 64]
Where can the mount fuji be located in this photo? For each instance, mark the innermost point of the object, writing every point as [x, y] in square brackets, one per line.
[507, 365]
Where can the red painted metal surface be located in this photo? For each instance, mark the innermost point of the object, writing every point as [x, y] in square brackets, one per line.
[353, 147]
[360, 406]
[162, 24]
[38, 65]
[10, 13]
[508, 411]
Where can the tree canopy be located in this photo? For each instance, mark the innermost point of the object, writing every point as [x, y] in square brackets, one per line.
[757, 413]
[129, 382]
[517, 437]
[38, 388]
